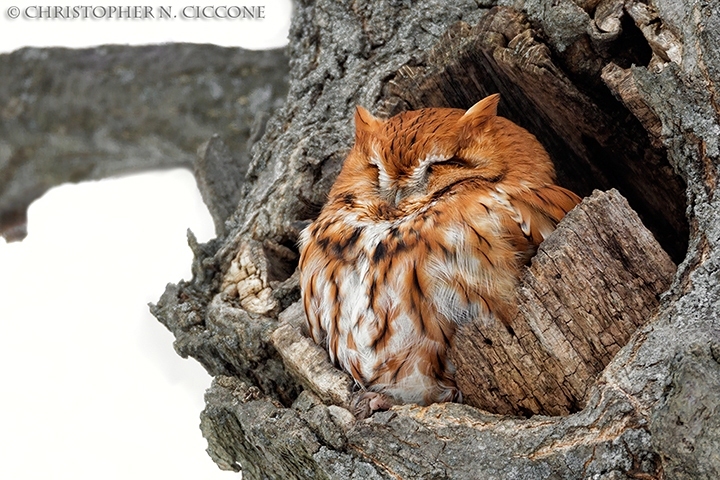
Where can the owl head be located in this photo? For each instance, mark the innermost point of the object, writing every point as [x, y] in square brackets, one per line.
[422, 153]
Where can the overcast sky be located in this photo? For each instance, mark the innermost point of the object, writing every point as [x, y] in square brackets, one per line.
[92, 387]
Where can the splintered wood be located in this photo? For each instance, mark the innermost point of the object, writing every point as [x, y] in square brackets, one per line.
[593, 282]
[308, 362]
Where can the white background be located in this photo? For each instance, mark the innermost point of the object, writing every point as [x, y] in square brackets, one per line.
[91, 386]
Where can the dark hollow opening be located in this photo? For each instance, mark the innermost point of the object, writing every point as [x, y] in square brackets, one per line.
[282, 258]
[630, 48]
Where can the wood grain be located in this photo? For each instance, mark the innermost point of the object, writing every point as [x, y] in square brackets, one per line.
[593, 282]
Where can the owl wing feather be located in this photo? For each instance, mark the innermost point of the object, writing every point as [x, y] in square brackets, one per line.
[541, 209]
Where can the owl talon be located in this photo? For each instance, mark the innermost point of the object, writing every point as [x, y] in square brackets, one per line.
[367, 403]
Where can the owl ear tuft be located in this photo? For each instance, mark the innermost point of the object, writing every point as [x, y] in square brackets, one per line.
[365, 122]
[487, 107]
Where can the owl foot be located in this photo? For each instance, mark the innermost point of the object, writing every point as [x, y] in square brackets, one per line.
[367, 403]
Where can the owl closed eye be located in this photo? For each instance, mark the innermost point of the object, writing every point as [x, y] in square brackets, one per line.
[426, 227]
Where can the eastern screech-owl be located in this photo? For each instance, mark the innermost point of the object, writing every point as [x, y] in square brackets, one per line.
[426, 227]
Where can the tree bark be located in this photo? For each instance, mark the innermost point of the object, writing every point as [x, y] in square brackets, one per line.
[623, 95]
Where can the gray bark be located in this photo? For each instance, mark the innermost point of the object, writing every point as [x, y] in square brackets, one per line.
[73, 115]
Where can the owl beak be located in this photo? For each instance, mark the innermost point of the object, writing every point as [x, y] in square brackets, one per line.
[393, 196]
[403, 193]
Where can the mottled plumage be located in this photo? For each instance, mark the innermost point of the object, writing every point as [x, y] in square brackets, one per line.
[426, 227]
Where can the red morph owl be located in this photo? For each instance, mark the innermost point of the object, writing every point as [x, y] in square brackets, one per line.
[426, 228]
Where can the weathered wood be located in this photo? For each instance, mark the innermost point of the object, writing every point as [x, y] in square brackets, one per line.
[593, 282]
[308, 362]
[622, 85]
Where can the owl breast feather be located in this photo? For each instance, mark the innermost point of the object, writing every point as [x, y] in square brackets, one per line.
[385, 295]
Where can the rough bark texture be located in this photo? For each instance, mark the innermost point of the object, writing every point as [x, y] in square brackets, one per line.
[592, 283]
[624, 95]
[72, 115]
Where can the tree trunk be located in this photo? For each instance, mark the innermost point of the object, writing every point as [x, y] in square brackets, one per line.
[623, 94]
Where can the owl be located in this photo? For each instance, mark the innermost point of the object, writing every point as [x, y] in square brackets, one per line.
[426, 228]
